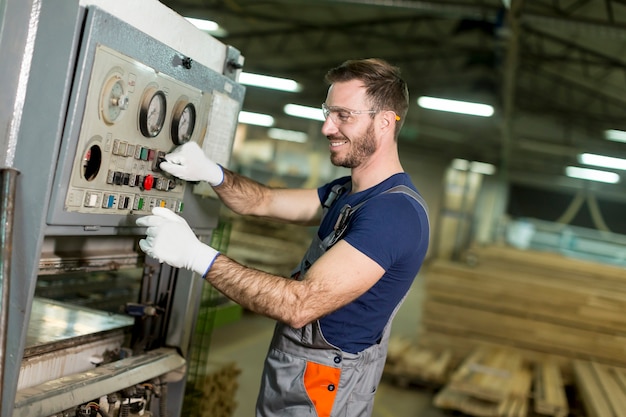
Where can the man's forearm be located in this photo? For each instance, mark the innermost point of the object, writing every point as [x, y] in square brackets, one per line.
[277, 297]
[241, 194]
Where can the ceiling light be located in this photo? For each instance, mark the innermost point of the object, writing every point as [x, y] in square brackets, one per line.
[482, 168]
[265, 81]
[592, 174]
[206, 25]
[257, 119]
[455, 106]
[602, 161]
[460, 164]
[474, 166]
[209, 26]
[296, 110]
[615, 135]
[288, 135]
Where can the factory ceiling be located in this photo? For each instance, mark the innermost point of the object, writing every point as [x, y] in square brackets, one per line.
[555, 71]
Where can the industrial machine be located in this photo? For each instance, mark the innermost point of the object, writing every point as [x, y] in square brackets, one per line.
[91, 326]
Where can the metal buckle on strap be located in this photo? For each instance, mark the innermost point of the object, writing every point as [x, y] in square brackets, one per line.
[335, 192]
[342, 220]
[341, 224]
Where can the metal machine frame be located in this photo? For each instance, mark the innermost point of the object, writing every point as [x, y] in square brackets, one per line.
[54, 71]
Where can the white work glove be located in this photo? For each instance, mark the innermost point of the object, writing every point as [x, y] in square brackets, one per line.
[169, 239]
[189, 163]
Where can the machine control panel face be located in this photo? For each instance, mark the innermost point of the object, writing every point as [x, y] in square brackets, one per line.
[134, 115]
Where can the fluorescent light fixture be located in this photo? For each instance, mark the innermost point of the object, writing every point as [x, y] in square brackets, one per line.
[602, 161]
[288, 135]
[265, 81]
[482, 168]
[455, 106]
[257, 119]
[460, 164]
[208, 26]
[474, 166]
[592, 174]
[296, 110]
[615, 135]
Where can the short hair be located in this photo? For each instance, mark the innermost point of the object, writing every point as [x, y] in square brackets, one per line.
[383, 84]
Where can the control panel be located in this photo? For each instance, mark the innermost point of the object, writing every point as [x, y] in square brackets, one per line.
[133, 99]
[134, 115]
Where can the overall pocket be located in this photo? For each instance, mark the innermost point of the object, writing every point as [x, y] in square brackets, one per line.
[282, 391]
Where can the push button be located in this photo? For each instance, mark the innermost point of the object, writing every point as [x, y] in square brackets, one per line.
[148, 182]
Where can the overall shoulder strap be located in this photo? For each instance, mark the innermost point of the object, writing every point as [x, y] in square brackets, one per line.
[410, 192]
[403, 189]
[335, 192]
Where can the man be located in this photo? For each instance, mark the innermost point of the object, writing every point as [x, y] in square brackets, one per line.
[334, 317]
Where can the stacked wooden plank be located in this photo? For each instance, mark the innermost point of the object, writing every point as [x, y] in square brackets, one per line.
[219, 389]
[408, 364]
[542, 303]
[602, 388]
[548, 392]
[489, 383]
[272, 247]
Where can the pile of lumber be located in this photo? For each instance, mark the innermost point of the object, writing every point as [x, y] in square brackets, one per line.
[272, 247]
[542, 303]
[408, 364]
[218, 389]
[500, 382]
[602, 388]
[489, 382]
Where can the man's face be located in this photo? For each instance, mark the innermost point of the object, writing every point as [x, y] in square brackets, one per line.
[349, 126]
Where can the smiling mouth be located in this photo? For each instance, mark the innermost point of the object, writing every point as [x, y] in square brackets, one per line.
[336, 143]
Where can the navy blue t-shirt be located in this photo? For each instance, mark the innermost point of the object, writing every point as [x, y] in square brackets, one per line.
[391, 229]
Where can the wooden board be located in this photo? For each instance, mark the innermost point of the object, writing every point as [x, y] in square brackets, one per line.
[489, 382]
[407, 363]
[536, 302]
[549, 392]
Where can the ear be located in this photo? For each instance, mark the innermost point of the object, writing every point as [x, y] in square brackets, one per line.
[388, 120]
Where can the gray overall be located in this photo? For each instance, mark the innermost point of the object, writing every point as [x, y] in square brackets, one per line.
[304, 375]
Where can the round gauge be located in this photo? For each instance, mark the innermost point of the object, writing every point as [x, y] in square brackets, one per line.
[183, 122]
[113, 99]
[152, 112]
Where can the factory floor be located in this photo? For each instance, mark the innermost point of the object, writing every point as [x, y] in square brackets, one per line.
[245, 342]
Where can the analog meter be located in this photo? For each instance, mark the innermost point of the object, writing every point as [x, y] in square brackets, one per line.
[113, 99]
[183, 122]
[152, 112]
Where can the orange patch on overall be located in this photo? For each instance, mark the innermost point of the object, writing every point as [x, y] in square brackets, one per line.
[321, 383]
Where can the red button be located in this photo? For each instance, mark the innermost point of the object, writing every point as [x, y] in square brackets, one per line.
[148, 182]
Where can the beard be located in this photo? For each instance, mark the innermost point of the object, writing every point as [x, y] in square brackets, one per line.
[361, 149]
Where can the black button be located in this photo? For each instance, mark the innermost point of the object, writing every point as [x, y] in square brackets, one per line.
[337, 359]
[331, 387]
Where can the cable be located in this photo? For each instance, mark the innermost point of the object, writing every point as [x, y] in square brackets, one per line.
[596, 214]
[573, 208]
[163, 401]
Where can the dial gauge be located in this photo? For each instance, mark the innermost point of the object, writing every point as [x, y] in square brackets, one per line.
[183, 122]
[113, 99]
[152, 112]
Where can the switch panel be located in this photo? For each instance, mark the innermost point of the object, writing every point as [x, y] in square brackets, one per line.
[133, 116]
